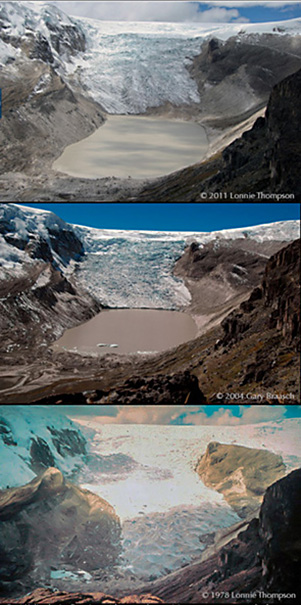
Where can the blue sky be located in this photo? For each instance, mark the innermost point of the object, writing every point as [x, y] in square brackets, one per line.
[183, 11]
[258, 12]
[171, 217]
[233, 415]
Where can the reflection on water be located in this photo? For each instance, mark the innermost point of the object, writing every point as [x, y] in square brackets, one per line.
[134, 146]
[129, 331]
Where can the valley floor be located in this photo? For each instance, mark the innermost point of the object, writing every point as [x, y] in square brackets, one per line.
[40, 182]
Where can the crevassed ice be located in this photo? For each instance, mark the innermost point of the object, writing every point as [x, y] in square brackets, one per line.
[134, 268]
[129, 67]
[129, 71]
[136, 274]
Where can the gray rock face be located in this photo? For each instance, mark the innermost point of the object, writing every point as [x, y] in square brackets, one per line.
[34, 315]
[57, 243]
[277, 298]
[240, 473]
[218, 273]
[238, 74]
[37, 300]
[280, 530]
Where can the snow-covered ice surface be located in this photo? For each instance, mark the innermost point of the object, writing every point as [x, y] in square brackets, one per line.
[175, 450]
[131, 269]
[22, 222]
[19, 425]
[164, 506]
[127, 67]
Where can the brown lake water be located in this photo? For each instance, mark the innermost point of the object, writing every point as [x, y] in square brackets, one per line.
[132, 330]
[135, 146]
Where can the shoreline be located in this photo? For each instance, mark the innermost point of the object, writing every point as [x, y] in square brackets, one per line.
[40, 182]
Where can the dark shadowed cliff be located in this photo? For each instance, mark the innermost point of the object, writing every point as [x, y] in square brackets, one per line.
[266, 158]
[263, 558]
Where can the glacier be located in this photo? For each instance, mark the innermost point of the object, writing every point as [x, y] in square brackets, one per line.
[124, 268]
[130, 67]
[177, 449]
[165, 509]
[126, 67]
[134, 268]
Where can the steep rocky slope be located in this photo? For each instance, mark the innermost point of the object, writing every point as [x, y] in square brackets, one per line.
[264, 159]
[240, 473]
[236, 76]
[219, 274]
[38, 306]
[277, 298]
[40, 112]
[251, 564]
[50, 523]
[38, 299]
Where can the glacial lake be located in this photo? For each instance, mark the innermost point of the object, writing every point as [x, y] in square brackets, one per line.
[137, 147]
[129, 331]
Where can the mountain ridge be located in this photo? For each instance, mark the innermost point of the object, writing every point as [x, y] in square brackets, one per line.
[56, 284]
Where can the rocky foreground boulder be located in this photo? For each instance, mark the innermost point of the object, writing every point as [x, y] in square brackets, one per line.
[43, 596]
[177, 388]
[241, 474]
[50, 523]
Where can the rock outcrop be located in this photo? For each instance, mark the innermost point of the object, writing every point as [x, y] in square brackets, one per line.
[50, 523]
[237, 75]
[38, 297]
[217, 274]
[267, 157]
[276, 300]
[46, 36]
[265, 558]
[241, 474]
[37, 307]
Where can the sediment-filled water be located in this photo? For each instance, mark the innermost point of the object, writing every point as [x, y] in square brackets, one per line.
[137, 147]
[130, 331]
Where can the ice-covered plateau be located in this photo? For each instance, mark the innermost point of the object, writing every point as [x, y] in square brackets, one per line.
[132, 269]
[126, 67]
